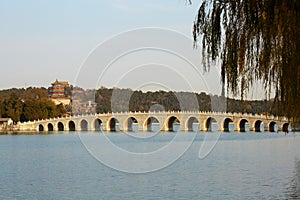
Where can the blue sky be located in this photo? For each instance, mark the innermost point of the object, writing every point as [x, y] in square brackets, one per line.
[42, 40]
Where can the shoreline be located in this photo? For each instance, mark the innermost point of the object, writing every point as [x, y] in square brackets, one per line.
[31, 132]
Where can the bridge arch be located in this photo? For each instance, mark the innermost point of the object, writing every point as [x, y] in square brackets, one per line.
[130, 122]
[242, 125]
[226, 124]
[171, 122]
[191, 121]
[50, 127]
[145, 120]
[60, 126]
[84, 125]
[41, 127]
[257, 126]
[97, 124]
[209, 124]
[150, 122]
[273, 127]
[286, 127]
[72, 126]
[113, 124]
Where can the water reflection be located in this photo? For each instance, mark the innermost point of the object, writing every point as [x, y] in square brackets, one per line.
[293, 190]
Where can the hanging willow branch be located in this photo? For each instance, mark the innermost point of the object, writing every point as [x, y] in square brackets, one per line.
[255, 40]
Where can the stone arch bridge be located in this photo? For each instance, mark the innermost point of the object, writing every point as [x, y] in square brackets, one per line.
[166, 121]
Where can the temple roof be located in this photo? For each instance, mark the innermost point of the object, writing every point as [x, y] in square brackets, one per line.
[65, 83]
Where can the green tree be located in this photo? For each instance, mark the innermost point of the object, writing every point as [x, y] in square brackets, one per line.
[256, 40]
[39, 109]
[34, 93]
[1, 106]
[12, 107]
[60, 110]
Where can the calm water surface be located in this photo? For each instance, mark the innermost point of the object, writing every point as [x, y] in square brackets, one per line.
[241, 166]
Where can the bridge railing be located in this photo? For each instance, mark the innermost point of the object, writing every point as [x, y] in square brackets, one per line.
[230, 114]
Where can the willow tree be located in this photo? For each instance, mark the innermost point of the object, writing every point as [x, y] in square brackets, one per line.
[255, 40]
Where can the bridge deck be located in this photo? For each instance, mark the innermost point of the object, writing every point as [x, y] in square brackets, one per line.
[164, 121]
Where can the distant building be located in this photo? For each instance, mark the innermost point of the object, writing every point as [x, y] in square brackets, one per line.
[6, 123]
[64, 101]
[88, 107]
[59, 89]
[60, 92]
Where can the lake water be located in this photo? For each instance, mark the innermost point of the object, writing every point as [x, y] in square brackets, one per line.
[241, 166]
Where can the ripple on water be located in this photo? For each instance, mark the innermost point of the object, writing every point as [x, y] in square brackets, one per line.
[241, 166]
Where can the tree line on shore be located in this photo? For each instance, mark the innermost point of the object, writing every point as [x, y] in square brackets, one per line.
[35, 103]
[28, 104]
[175, 101]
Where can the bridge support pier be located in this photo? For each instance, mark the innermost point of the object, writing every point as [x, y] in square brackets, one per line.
[165, 120]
